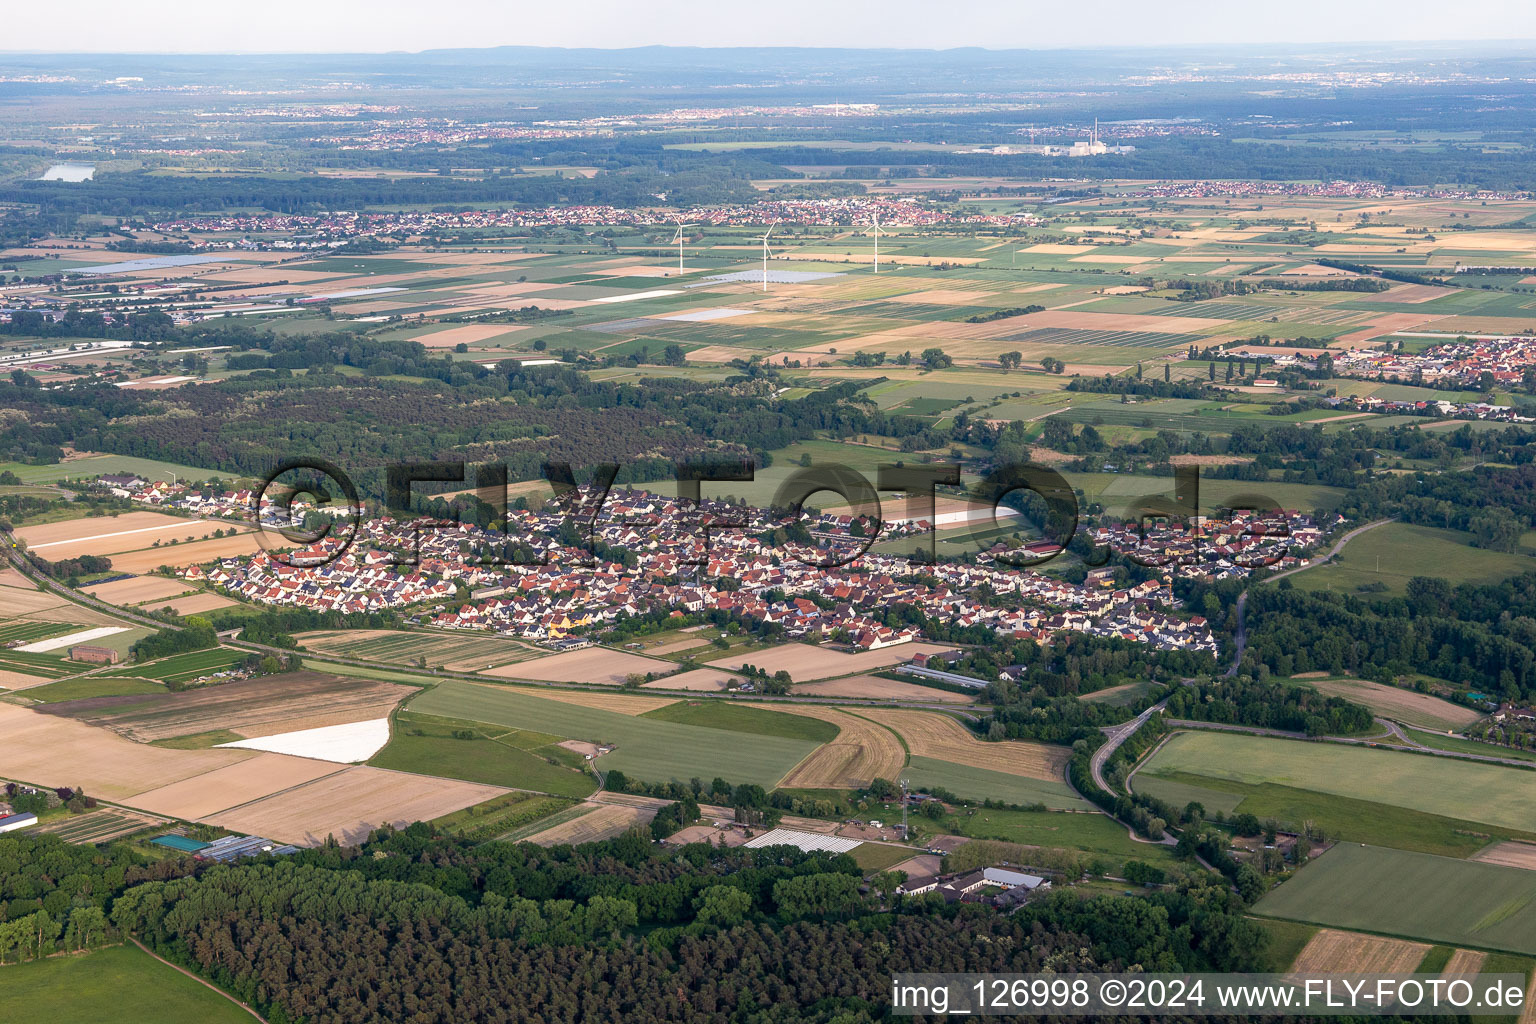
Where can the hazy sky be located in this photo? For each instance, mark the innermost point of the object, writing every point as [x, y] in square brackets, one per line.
[204, 26]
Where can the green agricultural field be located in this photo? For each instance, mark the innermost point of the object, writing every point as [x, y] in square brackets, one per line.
[1412, 895]
[1465, 790]
[46, 666]
[122, 984]
[1360, 821]
[873, 857]
[515, 758]
[1395, 553]
[1286, 941]
[1090, 832]
[644, 748]
[96, 465]
[1117, 490]
[183, 668]
[411, 647]
[198, 740]
[1180, 793]
[30, 632]
[982, 784]
[501, 815]
[1386, 797]
[719, 714]
[91, 686]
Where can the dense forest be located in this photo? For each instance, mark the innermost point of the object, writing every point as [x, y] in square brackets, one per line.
[457, 412]
[415, 926]
[1476, 635]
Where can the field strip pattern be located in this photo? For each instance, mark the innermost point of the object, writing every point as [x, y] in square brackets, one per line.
[863, 751]
[602, 821]
[1511, 854]
[633, 705]
[1437, 785]
[936, 735]
[645, 748]
[351, 803]
[227, 788]
[1331, 951]
[1415, 895]
[101, 762]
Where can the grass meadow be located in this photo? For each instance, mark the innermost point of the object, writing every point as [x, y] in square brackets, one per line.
[122, 984]
[1484, 793]
[1412, 896]
[645, 748]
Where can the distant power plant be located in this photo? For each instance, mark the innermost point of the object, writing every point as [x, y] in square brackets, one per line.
[1091, 146]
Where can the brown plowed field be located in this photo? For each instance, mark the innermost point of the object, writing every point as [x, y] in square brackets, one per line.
[251, 707]
[806, 662]
[704, 680]
[931, 734]
[191, 604]
[877, 687]
[180, 555]
[232, 786]
[52, 751]
[108, 535]
[138, 589]
[351, 803]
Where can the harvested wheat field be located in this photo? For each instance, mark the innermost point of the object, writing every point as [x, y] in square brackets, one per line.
[262, 706]
[703, 680]
[593, 665]
[137, 590]
[1510, 854]
[1386, 323]
[191, 604]
[862, 751]
[179, 555]
[351, 803]
[874, 687]
[108, 535]
[1465, 961]
[231, 786]
[1331, 951]
[806, 662]
[1407, 706]
[604, 821]
[12, 578]
[936, 735]
[42, 606]
[467, 334]
[619, 703]
[52, 751]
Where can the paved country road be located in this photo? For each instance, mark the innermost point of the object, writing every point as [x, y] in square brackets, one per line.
[1240, 637]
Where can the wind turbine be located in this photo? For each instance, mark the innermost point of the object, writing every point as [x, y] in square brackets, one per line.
[875, 222]
[679, 240]
[765, 252]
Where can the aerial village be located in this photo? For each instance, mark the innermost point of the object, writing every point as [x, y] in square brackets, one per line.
[555, 593]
